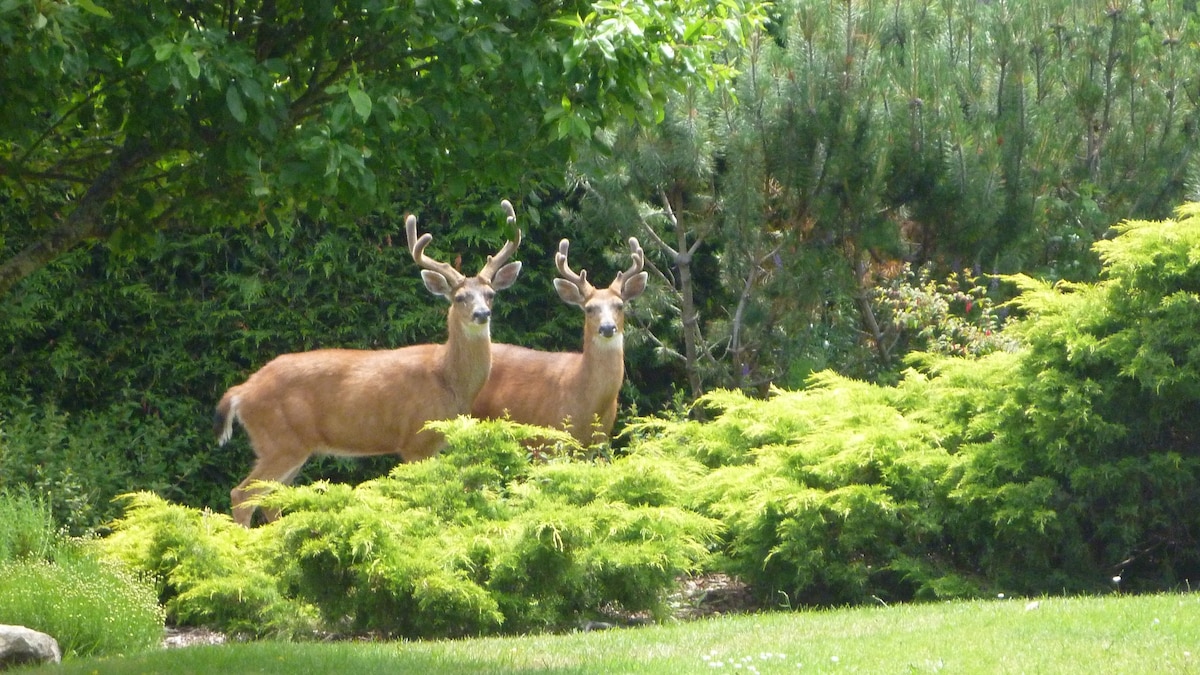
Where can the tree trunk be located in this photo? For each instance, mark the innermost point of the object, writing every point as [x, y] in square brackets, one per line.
[84, 222]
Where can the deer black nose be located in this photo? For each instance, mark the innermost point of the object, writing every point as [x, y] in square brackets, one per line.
[482, 315]
[608, 329]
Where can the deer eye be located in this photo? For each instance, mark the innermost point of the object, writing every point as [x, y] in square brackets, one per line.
[460, 298]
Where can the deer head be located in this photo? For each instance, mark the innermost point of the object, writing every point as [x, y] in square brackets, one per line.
[604, 309]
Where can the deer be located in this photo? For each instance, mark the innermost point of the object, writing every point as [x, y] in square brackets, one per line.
[359, 403]
[573, 391]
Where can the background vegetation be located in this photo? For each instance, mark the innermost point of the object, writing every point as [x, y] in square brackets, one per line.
[915, 331]
[1064, 463]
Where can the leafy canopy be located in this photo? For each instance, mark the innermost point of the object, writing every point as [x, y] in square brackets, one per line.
[120, 118]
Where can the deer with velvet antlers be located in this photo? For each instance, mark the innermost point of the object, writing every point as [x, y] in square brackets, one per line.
[369, 402]
[573, 391]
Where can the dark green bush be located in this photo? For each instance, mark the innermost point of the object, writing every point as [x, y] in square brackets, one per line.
[80, 461]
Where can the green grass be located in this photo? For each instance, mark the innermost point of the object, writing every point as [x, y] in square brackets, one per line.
[1146, 634]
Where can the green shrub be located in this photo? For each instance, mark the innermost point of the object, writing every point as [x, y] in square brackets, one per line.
[80, 462]
[841, 502]
[1085, 465]
[209, 571]
[476, 540]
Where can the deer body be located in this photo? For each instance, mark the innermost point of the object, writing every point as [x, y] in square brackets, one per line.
[575, 391]
[362, 402]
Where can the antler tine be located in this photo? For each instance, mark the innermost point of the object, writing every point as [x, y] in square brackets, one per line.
[416, 246]
[560, 261]
[494, 263]
[639, 262]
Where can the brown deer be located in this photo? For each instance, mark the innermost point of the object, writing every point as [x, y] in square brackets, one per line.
[574, 391]
[369, 402]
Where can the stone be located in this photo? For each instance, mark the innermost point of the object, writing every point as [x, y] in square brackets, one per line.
[21, 646]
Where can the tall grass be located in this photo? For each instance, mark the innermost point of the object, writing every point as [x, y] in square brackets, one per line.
[28, 530]
[57, 585]
[1125, 634]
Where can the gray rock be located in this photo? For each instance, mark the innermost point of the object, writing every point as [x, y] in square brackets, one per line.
[20, 646]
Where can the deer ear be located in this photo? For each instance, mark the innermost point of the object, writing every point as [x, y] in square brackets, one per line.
[634, 286]
[437, 284]
[507, 276]
[569, 292]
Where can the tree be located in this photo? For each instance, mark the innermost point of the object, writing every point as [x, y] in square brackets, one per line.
[123, 120]
[859, 136]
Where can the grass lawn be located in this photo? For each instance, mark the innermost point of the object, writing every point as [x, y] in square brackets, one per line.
[1113, 634]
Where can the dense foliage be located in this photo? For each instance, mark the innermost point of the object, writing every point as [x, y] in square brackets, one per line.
[996, 137]
[790, 197]
[121, 120]
[853, 195]
[1061, 462]
[1060, 465]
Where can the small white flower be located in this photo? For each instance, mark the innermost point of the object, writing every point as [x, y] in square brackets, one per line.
[834, 659]
[1117, 579]
[1000, 596]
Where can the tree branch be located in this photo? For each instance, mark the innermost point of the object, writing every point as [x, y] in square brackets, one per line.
[85, 221]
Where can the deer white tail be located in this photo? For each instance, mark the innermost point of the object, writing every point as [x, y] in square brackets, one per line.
[224, 417]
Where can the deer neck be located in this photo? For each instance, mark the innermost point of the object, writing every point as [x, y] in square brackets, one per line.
[466, 358]
[603, 364]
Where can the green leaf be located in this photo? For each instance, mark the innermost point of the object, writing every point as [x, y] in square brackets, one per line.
[164, 51]
[361, 102]
[92, 8]
[190, 60]
[233, 99]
